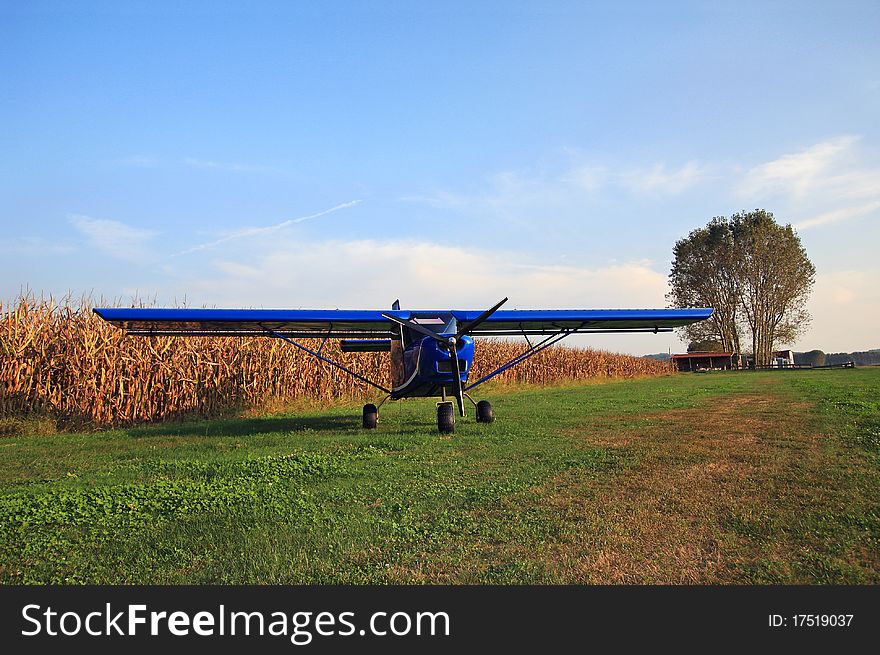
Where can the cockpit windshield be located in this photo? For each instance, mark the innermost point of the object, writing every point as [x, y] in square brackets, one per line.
[433, 323]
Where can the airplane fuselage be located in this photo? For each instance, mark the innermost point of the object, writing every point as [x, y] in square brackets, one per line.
[424, 367]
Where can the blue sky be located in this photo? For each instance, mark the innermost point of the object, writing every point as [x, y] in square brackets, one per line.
[344, 154]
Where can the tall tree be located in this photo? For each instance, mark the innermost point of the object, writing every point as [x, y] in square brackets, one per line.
[775, 277]
[754, 272]
[703, 275]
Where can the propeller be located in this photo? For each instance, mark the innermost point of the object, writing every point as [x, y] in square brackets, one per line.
[470, 327]
[412, 325]
[450, 342]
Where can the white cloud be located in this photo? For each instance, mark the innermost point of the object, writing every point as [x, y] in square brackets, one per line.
[826, 183]
[576, 185]
[838, 215]
[797, 173]
[114, 238]
[370, 273]
[660, 179]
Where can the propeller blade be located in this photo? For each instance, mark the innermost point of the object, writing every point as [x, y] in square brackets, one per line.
[456, 374]
[470, 327]
[415, 326]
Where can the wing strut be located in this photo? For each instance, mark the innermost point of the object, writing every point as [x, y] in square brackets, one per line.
[530, 352]
[278, 335]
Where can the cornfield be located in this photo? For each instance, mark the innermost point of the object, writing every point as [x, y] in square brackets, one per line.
[59, 360]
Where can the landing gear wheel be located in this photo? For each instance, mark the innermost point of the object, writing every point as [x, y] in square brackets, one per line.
[371, 416]
[484, 412]
[445, 418]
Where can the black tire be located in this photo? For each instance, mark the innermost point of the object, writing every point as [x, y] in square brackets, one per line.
[485, 414]
[445, 418]
[371, 416]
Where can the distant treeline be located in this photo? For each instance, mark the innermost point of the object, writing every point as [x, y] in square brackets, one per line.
[819, 358]
[809, 358]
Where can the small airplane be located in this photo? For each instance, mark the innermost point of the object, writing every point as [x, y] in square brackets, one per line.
[431, 350]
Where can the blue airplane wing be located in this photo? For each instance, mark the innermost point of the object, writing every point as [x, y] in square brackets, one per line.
[546, 321]
[244, 322]
[362, 323]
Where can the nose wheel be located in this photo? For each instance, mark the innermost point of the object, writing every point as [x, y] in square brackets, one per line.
[445, 417]
[371, 416]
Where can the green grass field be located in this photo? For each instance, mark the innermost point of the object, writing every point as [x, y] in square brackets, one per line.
[707, 479]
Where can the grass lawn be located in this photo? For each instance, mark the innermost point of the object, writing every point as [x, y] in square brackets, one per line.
[700, 478]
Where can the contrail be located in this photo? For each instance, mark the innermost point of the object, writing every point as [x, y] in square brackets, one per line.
[253, 231]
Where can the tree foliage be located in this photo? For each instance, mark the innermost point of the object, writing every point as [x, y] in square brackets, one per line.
[711, 346]
[811, 358]
[754, 272]
[703, 275]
